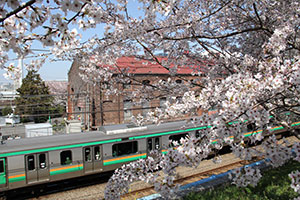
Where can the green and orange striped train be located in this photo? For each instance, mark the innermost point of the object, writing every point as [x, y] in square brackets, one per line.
[32, 161]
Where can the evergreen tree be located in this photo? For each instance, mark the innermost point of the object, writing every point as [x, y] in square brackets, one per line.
[34, 102]
[7, 110]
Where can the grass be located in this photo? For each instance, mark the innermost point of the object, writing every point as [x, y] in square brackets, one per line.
[275, 184]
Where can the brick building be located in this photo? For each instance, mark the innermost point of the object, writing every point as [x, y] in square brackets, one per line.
[89, 103]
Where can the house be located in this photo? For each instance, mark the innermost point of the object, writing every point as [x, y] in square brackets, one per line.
[90, 103]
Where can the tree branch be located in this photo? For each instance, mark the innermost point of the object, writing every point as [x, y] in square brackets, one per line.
[257, 15]
[29, 3]
[153, 56]
[216, 37]
[77, 14]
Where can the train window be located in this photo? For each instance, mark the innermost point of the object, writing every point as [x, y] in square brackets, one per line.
[197, 134]
[87, 154]
[177, 137]
[97, 153]
[42, 161]
[124, 148]
[150, 144]
[65, 157]
[30, 162]
[157, 145]
[251, 127]
[1, 166]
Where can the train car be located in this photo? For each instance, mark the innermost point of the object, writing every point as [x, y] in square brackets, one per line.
[32, 161]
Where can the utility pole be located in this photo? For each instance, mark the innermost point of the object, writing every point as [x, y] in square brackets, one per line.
[119, 104]
[101, 105]
[87, 109]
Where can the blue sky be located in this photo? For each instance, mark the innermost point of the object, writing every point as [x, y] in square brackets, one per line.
[59, 70]
[50, 71]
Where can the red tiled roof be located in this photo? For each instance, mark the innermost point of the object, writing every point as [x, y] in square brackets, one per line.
[135, 65]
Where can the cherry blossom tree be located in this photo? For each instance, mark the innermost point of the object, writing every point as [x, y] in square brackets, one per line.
[250, 50]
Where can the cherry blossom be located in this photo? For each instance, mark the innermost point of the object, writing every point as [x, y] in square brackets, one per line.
[244, 56]
[295, 176]
[296, 148]
[245, 176]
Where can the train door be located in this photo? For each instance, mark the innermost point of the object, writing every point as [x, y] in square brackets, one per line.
[92, 161]
[88, 160]
[3, 178]
[153, 144]
[98, 159]
[43, 169]
[37, 168]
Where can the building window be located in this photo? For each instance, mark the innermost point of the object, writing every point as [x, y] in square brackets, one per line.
[162, 103]
[127, 110]
[178, 81]
[127, 85]
[124, 148]
[146, 82]
[145, 108]
[193, 82]
[163, 81]
[106, 85]
[65, 157]
[179, 99]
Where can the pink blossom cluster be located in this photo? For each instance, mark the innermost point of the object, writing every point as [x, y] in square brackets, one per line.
[245, 176]
[276, 153]
[296, 148]
[295, 176]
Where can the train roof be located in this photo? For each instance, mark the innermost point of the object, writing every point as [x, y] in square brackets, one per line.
[106, 134]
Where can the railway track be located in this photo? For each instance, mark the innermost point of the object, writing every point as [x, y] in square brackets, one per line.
[95, 190]
[135, 194]
[139, 189]
[189, 179]
[55, 188]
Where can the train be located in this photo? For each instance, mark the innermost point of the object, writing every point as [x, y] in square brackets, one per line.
[32, 161]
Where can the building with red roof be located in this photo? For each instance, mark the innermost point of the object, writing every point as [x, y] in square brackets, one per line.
[90, 103]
